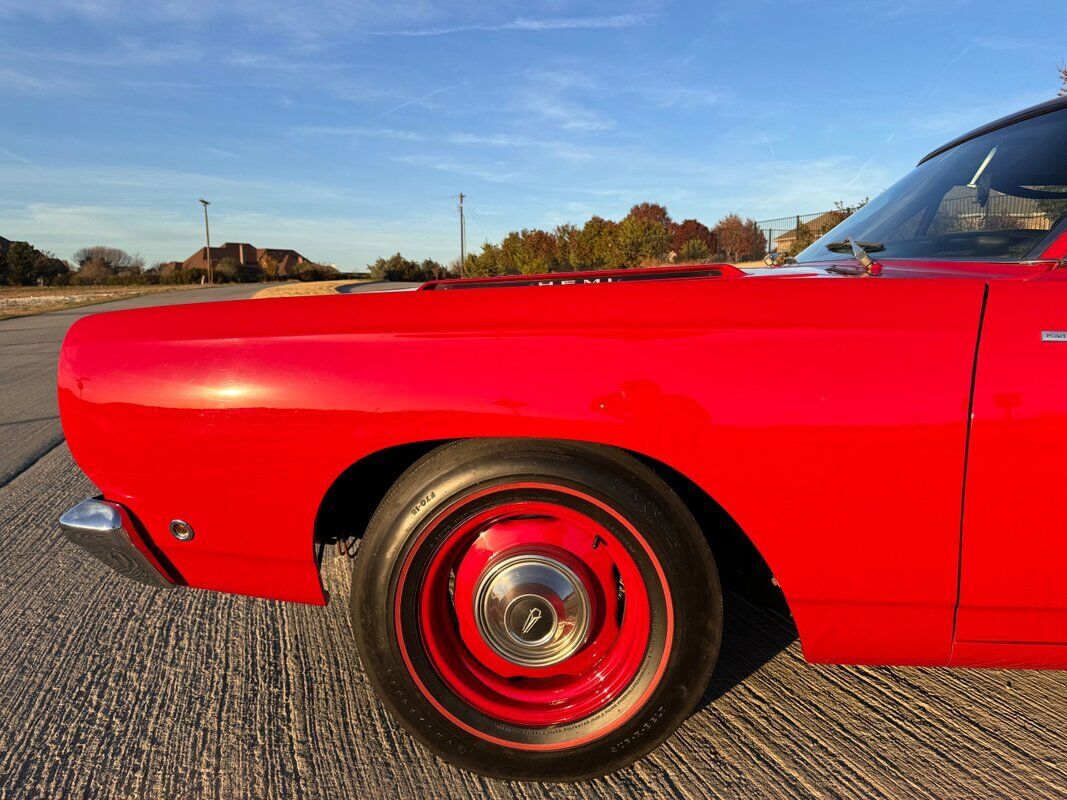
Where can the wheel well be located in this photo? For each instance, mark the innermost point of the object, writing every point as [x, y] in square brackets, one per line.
[742, 569]
[351, 500]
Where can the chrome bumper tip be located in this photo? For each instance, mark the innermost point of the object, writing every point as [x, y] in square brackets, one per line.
[104, 529]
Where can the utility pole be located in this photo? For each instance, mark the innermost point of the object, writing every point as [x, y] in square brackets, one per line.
[462, 239]
[207, 235]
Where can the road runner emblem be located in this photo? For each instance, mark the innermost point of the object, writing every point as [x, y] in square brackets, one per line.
[1054, 336]
[531, 618]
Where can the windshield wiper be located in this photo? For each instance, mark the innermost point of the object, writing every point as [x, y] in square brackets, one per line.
[845, 246]
[866, 266]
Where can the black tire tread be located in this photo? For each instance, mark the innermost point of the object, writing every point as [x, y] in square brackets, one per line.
[614, 471]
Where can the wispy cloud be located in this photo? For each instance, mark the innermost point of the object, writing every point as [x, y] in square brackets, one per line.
[563, 150]
[354, 131]
[267, 61]
[112, 51]
[305, 25]
[150, 188]
[550, 95]
[162, 86]
[457, 168]
[528, 24]
[751, 184]
[570, 23]
[16, 82]
[560, 149]
[90, 9]
[996, 41]
[282, 60]
[673, 96]
[315, 19]
[771, 189]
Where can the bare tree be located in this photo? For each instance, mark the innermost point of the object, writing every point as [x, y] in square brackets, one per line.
[118, 260]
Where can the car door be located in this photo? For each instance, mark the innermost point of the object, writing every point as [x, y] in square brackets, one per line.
[1014, 559]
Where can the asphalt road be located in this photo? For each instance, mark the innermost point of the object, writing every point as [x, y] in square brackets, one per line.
[378, 286]
[29, 349]
[113, 690]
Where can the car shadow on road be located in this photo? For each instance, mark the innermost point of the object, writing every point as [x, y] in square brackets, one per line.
[754, 633]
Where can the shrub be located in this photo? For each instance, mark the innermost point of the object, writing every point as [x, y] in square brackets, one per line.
[230, 270]
[95, 270]
[226, 270]
[398, 268]
[694, 251]
[269, 265]
[316, 272]
[191, 275]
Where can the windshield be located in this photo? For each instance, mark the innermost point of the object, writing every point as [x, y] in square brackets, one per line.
[991, 198]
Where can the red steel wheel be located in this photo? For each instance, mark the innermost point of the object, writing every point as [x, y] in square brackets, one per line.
[521, 612]
[530, 611]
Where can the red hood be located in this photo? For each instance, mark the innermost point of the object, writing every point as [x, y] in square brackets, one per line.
[902, 268]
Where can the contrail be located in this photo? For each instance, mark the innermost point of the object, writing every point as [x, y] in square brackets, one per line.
[15, 156]
[418, 100]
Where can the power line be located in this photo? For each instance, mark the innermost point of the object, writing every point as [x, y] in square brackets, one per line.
[481, 224]
[462, 238]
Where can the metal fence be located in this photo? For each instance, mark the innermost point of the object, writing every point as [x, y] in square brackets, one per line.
[788, 235]
[1000, 212]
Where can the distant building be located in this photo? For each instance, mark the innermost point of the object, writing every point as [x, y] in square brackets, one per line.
[816, 227]
[285, 261]
[5, 245]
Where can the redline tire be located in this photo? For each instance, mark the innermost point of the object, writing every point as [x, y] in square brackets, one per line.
[534, 609]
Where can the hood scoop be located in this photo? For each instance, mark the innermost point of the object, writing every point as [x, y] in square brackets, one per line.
[591, 276]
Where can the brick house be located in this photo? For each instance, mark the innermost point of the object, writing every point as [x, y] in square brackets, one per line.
[286, 260]
[249, 256]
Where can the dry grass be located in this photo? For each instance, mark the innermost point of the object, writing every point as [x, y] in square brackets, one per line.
[297, 289]
[21, 301]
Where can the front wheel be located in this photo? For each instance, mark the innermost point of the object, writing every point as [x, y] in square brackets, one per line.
[533, 609]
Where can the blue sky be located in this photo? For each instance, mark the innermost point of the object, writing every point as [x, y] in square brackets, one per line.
[344, 129]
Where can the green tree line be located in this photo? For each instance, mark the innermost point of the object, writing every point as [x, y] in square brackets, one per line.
[646, 236]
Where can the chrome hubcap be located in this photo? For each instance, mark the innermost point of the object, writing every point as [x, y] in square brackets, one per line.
[532, 610]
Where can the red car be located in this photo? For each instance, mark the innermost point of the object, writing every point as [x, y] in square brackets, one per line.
[546, 477]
